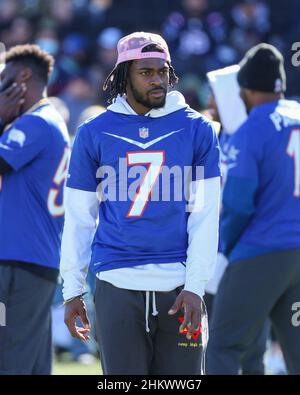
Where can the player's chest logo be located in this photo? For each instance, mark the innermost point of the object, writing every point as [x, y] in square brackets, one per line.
[143, 133]
[139, 144]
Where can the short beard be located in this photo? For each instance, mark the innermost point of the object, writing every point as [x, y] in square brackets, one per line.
[142, 99]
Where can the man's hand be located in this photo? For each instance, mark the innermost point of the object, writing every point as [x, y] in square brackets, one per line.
[11, 100]
[73, 310]
[192, 305]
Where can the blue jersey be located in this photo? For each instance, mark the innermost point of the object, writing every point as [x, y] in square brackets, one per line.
[31, 209]
[261, 198]
[130, 155]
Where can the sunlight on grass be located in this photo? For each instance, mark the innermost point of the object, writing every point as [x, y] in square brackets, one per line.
[75, 368]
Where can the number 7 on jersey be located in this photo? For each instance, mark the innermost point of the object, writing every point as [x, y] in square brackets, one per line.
[155, 161]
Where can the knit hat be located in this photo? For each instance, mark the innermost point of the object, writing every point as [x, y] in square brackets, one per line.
[262, 69]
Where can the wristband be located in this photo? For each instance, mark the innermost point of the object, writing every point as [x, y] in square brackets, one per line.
[74, 297]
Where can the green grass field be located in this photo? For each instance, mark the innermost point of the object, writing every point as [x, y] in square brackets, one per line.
[75, 368]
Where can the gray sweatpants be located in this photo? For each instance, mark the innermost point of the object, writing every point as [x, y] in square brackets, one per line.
[253, 359]
[250, 291]
[127, 348]
[25, 341]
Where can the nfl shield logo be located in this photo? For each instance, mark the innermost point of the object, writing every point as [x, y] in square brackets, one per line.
[144, 133]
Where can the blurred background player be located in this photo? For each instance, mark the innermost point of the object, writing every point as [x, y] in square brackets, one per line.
[34, 156]
[227, 108]
[260, 225]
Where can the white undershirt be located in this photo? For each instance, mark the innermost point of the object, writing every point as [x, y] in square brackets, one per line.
[150, 277]
[81, 215]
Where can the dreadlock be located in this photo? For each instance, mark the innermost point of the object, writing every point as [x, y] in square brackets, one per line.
[116, 81]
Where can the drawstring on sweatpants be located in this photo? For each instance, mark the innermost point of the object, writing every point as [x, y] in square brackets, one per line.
[154, 310]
